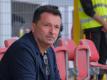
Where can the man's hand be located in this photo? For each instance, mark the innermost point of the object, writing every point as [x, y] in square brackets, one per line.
[104, 26]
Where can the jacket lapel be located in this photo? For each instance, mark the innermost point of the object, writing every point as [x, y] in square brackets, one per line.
[40, 67]
[50, 60]
[37, 54]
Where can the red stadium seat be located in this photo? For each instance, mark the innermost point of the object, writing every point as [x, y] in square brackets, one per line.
[60, 58]
[70, 46]
[64, 52]
[93, 54]
[81, 62]
[67, 48]
[2, 52]
[9, 42]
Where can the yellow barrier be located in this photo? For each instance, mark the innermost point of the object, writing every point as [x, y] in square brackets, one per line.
[105, 77]
[76, 23]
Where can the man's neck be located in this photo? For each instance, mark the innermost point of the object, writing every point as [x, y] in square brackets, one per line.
[42, 47]
[42, 50]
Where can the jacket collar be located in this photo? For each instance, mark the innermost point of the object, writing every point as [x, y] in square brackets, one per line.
[38, 58]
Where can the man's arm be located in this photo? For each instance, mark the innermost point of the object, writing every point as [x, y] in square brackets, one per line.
[21, 64]
[87, 7]
[101, 21]
[89, 10]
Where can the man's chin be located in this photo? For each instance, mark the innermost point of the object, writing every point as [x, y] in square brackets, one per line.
[50, 43]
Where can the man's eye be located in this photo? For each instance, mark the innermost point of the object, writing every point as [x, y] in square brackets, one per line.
[57, 27]
[46, 25]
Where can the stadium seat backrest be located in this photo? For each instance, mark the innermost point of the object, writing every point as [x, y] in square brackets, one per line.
[9, 42]
[70, 46]
[94, 55]
[82, 63]
[66, 46]
[2, 52]
[60, 58]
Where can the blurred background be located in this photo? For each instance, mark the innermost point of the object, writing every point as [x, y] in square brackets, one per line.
[16, 16]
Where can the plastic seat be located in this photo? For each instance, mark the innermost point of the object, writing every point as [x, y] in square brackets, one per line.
[67, 50]
[9, 42]
[70, 46]
[93, 54]
[79, 56]
[64, 52]
[81, 62]
[61, 63]
[2, 52]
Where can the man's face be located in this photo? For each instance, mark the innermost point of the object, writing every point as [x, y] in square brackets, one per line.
[46, 30]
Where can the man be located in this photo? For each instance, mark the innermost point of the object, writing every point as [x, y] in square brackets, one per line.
[93, 19]
[31, 57]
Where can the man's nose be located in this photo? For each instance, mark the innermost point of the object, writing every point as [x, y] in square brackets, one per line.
[52, 29]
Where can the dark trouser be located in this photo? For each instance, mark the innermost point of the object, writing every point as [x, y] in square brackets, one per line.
[100, 40]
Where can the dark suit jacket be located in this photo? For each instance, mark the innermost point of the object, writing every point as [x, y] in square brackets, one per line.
[22, 61]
